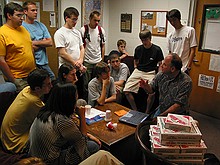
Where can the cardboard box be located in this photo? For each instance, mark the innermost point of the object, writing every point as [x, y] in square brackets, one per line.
[157, 148]
[201, 148]
[179, 142]
[188, 162]
[168, 136]
[154, 130]
[182, 156]
[178, 122]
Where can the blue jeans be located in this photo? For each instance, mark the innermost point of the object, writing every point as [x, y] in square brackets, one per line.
[47, 68]
[92, 146]
[7, 87]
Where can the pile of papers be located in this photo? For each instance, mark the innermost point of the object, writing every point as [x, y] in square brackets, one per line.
[178, 139]
[94, 116]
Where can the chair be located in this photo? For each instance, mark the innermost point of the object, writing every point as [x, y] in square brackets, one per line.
[143, 140]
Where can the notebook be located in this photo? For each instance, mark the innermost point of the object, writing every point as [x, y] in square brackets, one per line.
[133, 117]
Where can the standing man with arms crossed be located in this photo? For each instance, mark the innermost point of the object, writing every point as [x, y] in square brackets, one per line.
[182, 40]
[16, 56]
[94, 42]
[39, 35]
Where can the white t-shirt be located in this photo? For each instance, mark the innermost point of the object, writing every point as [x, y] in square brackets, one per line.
[93, 49]
[180, 41]
[69, 39]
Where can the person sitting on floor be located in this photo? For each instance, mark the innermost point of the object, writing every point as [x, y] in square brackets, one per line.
[101, 88]
[56, 138]
[22, 112]
[173, 85]
[120, 73]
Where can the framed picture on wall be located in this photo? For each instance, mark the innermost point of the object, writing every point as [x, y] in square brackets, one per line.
[126, 23]
[89, 6]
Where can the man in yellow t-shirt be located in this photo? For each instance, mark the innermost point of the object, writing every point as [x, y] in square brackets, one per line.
[22, 112]
[16, 56]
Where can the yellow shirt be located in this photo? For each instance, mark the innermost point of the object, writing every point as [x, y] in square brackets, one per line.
[18, 120]
[16, 46]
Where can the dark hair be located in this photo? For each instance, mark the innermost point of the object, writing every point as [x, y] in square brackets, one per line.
[36, 78]
[174, 13]
[62, 101]
[145, 34]
[94, 13]
[100, 68]
[64, 69]
[113, 54]
[176, 61]
[11, 8]
[121, 42]
[25, 4]
[68, 12]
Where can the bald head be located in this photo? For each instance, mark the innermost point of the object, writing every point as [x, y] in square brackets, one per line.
[175, 61]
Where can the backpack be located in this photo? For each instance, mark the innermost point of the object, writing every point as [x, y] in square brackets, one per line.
[87, 36]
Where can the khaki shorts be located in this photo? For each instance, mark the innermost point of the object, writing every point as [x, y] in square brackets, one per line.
[132, 84]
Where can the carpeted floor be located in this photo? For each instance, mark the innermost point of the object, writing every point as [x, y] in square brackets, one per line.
[210, 128]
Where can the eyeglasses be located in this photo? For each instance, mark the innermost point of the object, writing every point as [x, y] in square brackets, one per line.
[74, 19]
[115, 61]
[19, 15]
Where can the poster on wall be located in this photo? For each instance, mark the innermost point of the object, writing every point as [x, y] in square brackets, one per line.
[218, 85]
[126, 22]
[214, 64]
[89, 6]
[48, 5]
[206, 81]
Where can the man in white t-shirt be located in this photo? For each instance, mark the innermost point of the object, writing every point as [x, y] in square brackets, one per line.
[68, 41]
[182, 40]
[94, 43]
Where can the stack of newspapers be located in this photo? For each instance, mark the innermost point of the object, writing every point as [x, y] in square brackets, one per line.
[178, 139]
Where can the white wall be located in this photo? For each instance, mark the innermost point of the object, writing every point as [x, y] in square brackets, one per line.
[112, 10]
[134, 7]
[63, 4]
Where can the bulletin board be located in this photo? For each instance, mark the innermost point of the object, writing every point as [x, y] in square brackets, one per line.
[155, 21]
[209, 36]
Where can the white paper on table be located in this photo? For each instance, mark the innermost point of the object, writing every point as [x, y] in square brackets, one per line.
[94, 112]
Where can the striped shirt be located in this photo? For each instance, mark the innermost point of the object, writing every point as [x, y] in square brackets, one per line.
[48, 140]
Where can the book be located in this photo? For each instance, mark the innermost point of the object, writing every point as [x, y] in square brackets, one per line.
[95, 119]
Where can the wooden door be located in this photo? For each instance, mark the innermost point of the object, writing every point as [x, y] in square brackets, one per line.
[204, 100]
[45, 19]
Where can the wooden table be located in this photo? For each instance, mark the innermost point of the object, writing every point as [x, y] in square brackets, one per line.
[107, 136]
[121, 141]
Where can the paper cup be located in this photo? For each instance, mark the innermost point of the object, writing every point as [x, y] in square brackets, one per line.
[88, 109]
[108, 115]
